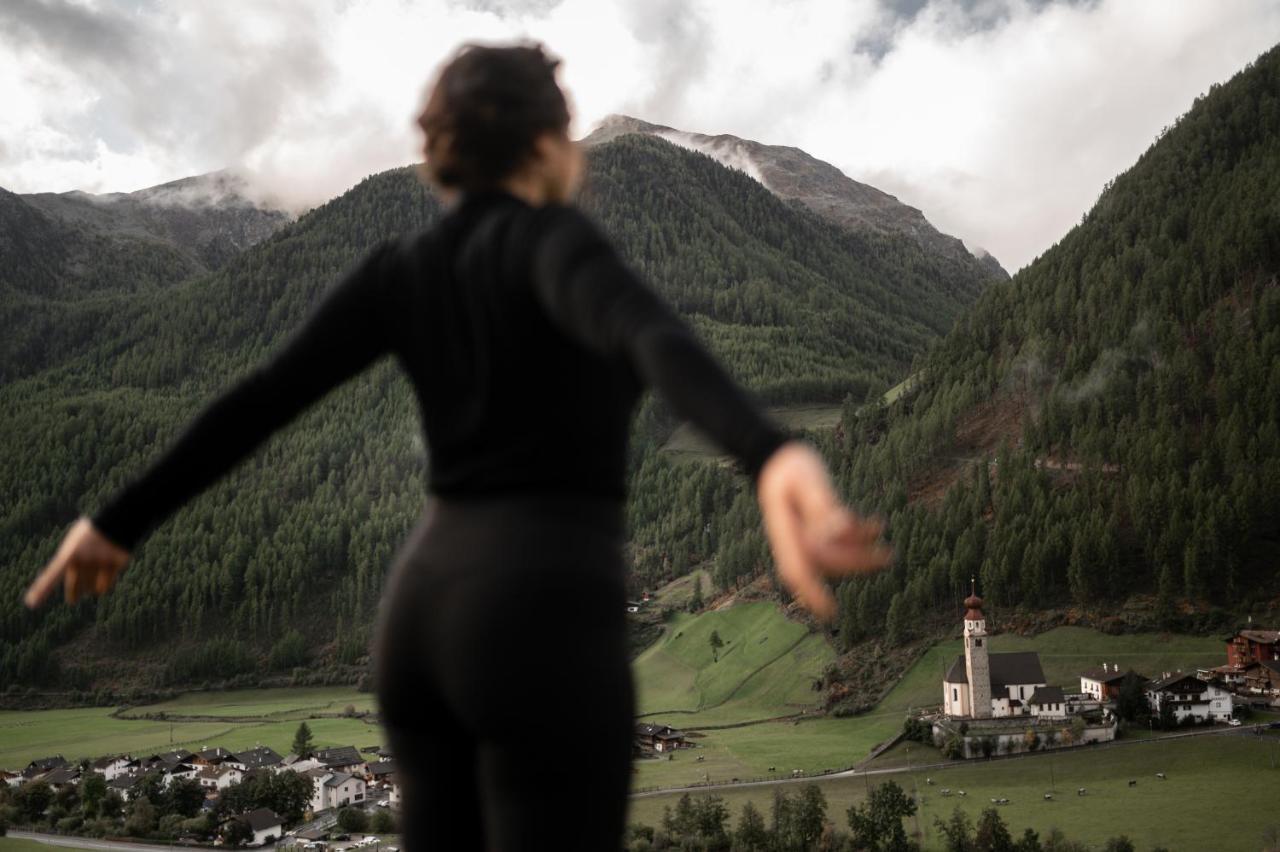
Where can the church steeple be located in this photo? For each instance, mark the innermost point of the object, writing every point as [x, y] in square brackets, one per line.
[976, 662]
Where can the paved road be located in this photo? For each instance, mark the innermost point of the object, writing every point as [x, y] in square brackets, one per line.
[94, 843]
[1250, 730]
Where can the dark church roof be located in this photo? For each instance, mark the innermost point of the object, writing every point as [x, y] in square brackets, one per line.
[1048, 695]
[1012, 668]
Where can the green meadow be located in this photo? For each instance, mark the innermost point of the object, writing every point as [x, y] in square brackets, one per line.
[1222, 792]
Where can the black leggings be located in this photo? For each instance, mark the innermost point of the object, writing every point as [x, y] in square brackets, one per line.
[503, 677]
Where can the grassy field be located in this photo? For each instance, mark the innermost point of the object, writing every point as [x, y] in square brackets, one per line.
[281, 703]
[22, 844]
[92, 732]
[1222, 792]
[766, 668]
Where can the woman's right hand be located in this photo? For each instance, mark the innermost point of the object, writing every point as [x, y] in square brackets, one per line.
[814, 536]
[87, 562]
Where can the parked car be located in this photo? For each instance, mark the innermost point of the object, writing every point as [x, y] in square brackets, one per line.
[1235, 723]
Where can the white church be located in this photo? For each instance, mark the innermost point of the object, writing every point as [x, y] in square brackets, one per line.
[983, 685]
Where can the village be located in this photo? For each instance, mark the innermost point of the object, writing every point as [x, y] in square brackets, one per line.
[996, 704]
[341, 789]
[1000, 703]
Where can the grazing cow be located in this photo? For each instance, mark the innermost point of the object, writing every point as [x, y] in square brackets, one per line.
[1133, 783]
[929, 781]
[773, 769]
[1080, 792]
[963, 793]
[946, 791]
[1160, 775]
[1048, 797]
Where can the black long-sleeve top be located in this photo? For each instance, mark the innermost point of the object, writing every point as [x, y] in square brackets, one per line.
[528, 342]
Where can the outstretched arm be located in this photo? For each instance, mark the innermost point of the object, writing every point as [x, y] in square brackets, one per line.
[342, 335]
[594, 297]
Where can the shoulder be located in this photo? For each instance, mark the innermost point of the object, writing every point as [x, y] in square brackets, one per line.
[560, 233]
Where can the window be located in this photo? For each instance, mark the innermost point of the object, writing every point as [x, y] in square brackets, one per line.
[955, 693]
[979, 643]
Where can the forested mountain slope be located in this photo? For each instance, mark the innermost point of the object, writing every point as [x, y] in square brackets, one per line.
[300, 536]
[1107, 423]
[68, 259]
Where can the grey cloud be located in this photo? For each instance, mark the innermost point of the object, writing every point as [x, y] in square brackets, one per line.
[82, 38]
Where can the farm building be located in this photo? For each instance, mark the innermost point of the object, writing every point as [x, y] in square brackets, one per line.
[261, 757]
[1252, 646]
[660, 738]
[112, 765]
[1105, 682]
[1189, 697]
[341, 759]
[265, 824]
[207, 757]
[983, 685]
[40, 766]
[217, 777]
[1262, 678]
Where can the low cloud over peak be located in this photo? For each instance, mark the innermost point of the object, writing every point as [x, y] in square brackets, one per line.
[1000, 118]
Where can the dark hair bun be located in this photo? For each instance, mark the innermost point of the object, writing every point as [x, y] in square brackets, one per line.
[488, 106]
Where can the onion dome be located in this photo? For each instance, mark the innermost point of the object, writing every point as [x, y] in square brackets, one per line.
[973, 608]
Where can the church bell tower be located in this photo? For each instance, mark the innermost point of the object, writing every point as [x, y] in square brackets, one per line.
[977, 665]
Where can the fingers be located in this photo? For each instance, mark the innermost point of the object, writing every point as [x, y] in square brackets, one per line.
[43, 585]
[795, 567]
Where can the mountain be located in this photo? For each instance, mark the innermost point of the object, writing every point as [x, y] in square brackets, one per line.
[66, 259]
[1102, 432]
[209, 217]
[297, 540]
[792, 174]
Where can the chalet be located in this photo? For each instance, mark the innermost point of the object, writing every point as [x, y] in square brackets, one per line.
[1262, 678]
[983, 685]
[62, 777]
[11, 779]
[341, 759]
[1230, 675]
[293, 763]
[1189, 697]
[1104, 683]
[261, 757]
[218, 777]
[41, 765]
[381, 771]
[265, 824]
[335, 789]
[1048, 702]
[166, 760]
[1252, 646]
[181, 772]
[661, 738]
[209, 757]
[124, 784]
[112, 765]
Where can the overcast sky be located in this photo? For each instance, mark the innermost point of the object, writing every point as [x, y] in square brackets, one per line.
[1000, 119]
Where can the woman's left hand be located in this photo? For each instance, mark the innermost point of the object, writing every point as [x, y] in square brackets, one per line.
[814, 537]
[87, 562]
